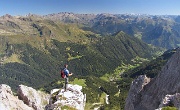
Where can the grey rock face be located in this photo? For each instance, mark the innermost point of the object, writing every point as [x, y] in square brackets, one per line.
[31, 99]
[10, 102]
[136, 87]
[151, 95]
[170, 100]
[35, 99]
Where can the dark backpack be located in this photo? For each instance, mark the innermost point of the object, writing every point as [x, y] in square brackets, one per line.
[62, 73]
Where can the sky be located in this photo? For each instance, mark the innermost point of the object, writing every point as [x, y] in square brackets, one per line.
[44, 7]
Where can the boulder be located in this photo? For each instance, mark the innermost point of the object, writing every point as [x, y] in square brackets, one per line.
[10, 102]
[35, 99]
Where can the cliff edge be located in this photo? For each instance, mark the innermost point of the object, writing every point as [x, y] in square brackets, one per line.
[161, 91]
[28, 98]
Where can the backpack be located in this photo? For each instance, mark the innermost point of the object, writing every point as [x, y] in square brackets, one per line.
[62, 73]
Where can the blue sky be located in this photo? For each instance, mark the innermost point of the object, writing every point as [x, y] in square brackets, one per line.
[43, 7]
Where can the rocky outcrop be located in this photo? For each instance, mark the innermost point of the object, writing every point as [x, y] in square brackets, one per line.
[150, 96]
[10, 102]
[35, 99]
[71, 98]
[136, 87]
[30, 99]
[171, 100]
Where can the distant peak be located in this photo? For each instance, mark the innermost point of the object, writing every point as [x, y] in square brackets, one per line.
[120, 33]
[7, 16]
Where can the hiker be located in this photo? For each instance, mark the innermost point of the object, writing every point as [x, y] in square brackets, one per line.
[67, 74]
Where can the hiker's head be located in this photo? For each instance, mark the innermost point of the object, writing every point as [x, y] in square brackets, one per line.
[65, 65]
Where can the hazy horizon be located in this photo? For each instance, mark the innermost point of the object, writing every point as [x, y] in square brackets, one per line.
[44, 7]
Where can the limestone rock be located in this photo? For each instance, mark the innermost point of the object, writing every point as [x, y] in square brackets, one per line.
[10, 102]
[30, 99]
[171, 100]
[35, 99]
[72, 97]
[151, 95]
[136, 87]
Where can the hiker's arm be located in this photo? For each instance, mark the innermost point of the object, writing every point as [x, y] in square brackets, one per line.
[70, 74]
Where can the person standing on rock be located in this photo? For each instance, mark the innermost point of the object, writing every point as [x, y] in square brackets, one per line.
[66, 75]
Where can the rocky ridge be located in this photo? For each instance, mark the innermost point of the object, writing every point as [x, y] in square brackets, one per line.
[30, 99]
[159, 92]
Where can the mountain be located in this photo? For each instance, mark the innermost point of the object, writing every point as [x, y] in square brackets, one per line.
[37, 67]
[68, 17]
[156, 30]
[33, 49]
[161, 91]
[160, 31]
[149, 69]
[36, 26]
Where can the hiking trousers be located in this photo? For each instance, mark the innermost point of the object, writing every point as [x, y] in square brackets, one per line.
[66, 83]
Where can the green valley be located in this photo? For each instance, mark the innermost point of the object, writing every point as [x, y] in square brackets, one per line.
[34, 48]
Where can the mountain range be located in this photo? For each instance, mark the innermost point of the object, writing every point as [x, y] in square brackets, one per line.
[100, 49]
[162, 31]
